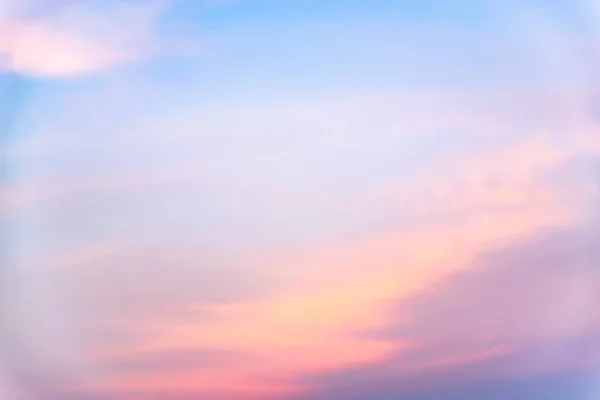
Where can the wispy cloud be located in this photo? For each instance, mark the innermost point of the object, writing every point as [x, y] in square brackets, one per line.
[520, 312]
[72, 38]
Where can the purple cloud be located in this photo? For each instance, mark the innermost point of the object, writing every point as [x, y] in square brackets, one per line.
[534, 301]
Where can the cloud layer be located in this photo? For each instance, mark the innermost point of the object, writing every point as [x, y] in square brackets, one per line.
[363, 242]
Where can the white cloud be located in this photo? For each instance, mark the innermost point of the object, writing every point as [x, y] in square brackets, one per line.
[77, 38]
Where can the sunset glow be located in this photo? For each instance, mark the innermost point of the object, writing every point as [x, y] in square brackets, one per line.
[299, 200]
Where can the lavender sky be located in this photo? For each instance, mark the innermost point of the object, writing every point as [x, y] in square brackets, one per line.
[299, 199]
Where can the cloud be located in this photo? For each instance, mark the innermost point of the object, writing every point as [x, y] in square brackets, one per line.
[543, 288]
[168, 361]
[522, 316]
[61, 316]
[302, 165]
[166, 292]
[131, 289]
[283, 168]
[555, 386]
[73, 38]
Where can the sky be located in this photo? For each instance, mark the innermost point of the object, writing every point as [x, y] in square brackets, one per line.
[299, 200]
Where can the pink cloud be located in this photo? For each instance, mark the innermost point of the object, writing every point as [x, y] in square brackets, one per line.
[521, 312]
[326, 293]
[78, 38]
